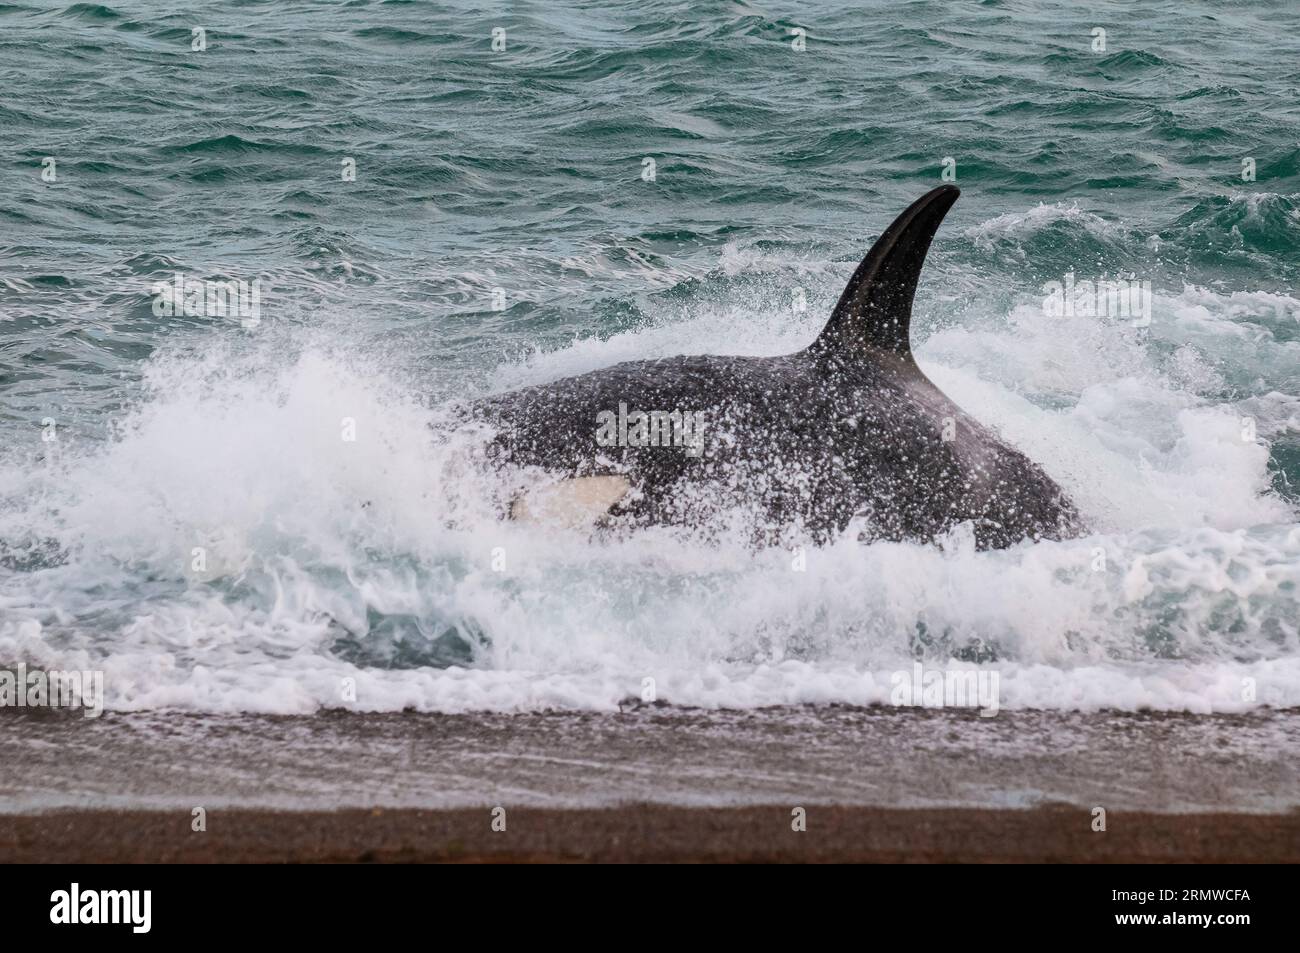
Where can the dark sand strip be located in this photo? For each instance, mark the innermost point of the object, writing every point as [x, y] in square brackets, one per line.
[649, 833]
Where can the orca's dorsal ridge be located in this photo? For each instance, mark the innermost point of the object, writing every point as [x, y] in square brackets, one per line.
[875, 311]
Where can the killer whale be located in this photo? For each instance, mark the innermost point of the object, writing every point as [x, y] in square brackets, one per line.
[846, 432]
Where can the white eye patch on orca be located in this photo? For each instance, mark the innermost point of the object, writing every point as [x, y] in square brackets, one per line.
[572, 504]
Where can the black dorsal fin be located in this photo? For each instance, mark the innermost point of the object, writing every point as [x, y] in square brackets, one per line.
[875, 310]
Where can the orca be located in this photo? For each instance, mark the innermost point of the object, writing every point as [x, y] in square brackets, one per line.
[847, 432]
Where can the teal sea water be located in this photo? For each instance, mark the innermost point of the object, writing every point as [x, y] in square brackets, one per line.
[235, 515]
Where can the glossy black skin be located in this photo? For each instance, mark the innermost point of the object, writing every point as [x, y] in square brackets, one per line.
[800, 443]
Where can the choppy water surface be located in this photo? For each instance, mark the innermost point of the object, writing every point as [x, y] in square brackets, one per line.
[522, 170]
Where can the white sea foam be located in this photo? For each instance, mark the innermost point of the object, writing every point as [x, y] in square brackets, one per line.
[1019, 225]
[373, 559]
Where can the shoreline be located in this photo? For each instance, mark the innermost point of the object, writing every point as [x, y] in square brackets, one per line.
[649, 833]
[882, 757]
[652, 784]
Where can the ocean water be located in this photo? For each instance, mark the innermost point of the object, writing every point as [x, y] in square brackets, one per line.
[503, 229]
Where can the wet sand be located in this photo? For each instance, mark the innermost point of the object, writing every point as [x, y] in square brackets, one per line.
[648, 832]
[651, 784]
